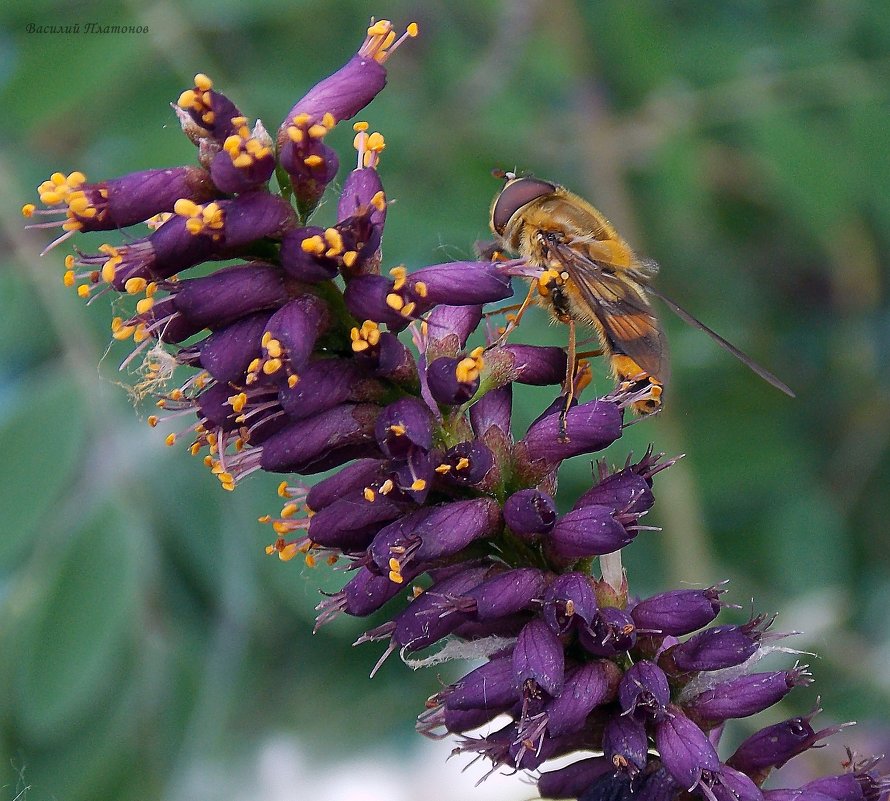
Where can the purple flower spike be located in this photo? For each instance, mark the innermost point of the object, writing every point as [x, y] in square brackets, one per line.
[229, 293]
[611, 632]
[678, 612]
[746, 695]
[591, 427]
[530, 513]
[227, 353]
[625, 743]
[568, 602]
[585, 688]
[404, 425]
[538, 659]
[572, 780]
[644, 690]
[684, 748]
[585, 532]
[774, 745]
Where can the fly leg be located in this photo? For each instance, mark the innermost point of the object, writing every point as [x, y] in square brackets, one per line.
[569, 388]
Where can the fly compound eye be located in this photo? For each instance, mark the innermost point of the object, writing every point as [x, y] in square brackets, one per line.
[516, 194]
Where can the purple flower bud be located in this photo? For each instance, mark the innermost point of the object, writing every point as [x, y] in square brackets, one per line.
[530, 512]
[572, 780]
[716, 648]
[502, 595]
[585, 688]
[591, 427]
[449, 327]
[494, 408]
[404, 425]
[351, 523]
[229, 293]
[490, 686]
[303, 446]
[323, 384]
[227, 353]
[657, 785]
[624, 491]
[351, 479]
[585, 532]
[644, 690]
[774, 745]
[253, 216]
[467, 464]
[568, 602]
[459, 283]
[538, 659]
[731, 785]
[685, 749]
[746, 695]
[678, 612]
[362, 595]
[444, 378]
[610, 633]
[625, 743]
[859, 783]
[537, 365]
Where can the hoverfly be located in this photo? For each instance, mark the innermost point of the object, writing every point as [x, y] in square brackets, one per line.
[584, 272]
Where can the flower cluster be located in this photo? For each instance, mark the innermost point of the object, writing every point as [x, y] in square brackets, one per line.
[297, 368]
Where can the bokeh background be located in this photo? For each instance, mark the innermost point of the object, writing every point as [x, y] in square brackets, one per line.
[149, 649]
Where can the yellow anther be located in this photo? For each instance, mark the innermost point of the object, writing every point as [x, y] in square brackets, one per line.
[186, 208]
[170, 439]
[360, 345]
[152, 420]
[400, 274]
[267, 337]
[289, 509]
[418, 484]
[398, 429]
[28, 210]
[395, 577]
[313, 161]
[394, 301]
[462, 464]
[369, 494]
[281, 528]
[386, 487]
[360, 127]
[271, 366]
[195, 448]
[376, 142]
[380, 28]
[83, 291]
[302, 119]
[395, 566]
[292, 381]
[412, 30]
[328, 120]
[570, 607]
[282, 490]
[254, 366]
[420, 289]
[310, 560]
[408, 309]
[349, 257]
[203, 82]
[335, 241]
[144, 305]
[274, 349]
[68, 278]
[379, 201]
[313, 244]
[288, 552]
[237, 402]
[317, 131]
[442, 469]
[294, 134]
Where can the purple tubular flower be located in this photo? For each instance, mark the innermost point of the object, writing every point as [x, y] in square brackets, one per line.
[572, 780]
[502, 595]
[350, 524]
[361, 211]
[130, 199]
[365, 297]
[306, 263]
[255, 215]
[585, 532]
[443, 378]
[591, 427]
[295, 327]
[678, 612]
[227, 353]
[859, 783]
[731, 785]
[585, 688]
[323, 384]
[467, 464]
[362, 595]
[490, 686]
[214, 116]
[537, 365]
[644, 690]
[746, 695]
[302, 446]
[214, 407]
[538, 659]
[714, 648]
[610, 787]
[684, 748]
[229, 293]
[163, 322]
[624, 491]
[246, 160]
[352, 478]
[530, 513]
[458, 283]
[402, 426]
[611, 632]
[449, 328]
[568, 602]
[774, 745]
[625, 743]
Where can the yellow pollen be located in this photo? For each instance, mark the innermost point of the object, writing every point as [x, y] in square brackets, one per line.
[313, 244]
[462, 464]
[68, 278]
[398, 429]
[310, 560]
[313, 161]
[264, 519]
[203, 82]
[267, 338]
[302, 119]
[271, 366]
[408, 309]
[170, 439]
[395, 577]
[282, 490]
[376, 142]
[360, 345]
[369, 494]
[349, 257]
[288, 552]
[144, 305]
[359, 127]
[394, 301]
[152, 420]
[289, 510]
[420, 289]
[292, 381]
[442, 469]
[386, 487]
[380, 28]
[317, 131]
[570, 607]
[379, 201]
[28, 210]
[274, 349]
[412, 30]
[418, 484]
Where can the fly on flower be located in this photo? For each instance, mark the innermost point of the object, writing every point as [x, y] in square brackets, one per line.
[582, 271]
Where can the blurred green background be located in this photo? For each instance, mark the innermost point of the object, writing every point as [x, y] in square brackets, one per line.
[149, 649]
